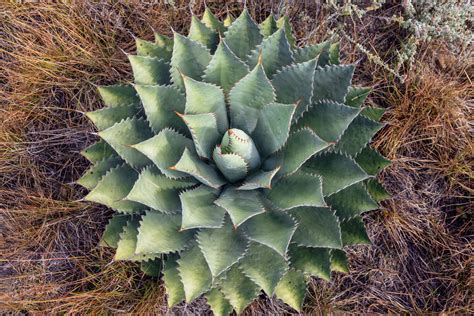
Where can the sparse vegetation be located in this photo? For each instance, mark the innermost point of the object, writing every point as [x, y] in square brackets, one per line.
[52, 58]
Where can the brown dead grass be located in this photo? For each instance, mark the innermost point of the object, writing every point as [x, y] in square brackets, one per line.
[53, 55]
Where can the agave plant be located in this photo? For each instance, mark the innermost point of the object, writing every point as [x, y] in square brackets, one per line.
[236, 162]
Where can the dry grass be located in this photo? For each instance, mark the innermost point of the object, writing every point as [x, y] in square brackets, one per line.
[53, 55]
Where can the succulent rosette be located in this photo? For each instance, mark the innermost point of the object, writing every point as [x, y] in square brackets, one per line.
[236, 162]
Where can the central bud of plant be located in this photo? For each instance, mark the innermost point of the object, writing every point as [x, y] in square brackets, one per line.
[237, 155]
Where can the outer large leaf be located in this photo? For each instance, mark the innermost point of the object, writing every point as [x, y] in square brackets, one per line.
[155, 190]
[298, 189]
[113, 229]
[98, 151]
[199, 32]
[225, 69]
[232, 166]
[165, 150]
[160, 233]
[356, 96]
[328, 119]
[314, 261]
[376, 190]
[124, 134]
[301, 146]
[238, 289]
[294, 85]
[247, 97]
[358, 135]
[373, 113]
[284, 23]
[174, 286]
[108, 116]
[118, 95]
[317, 227]
[338, 171]
[371, 161]
[127, 244]
[352, 201]
[339, 261]
[189, 58]
[275, 53]
[269, 26]
[203, 98]
[262, 228]
[151, 267]
[158, 50]
[264, 266]
[199, 210]
[353, 232]
[161, 104]
[222, 247]
[189, 163]
[243, 35]
[212, 22]
[241, 205]
[320, 50]
[273, 127]
[220, 306]
[332, 82]
[114, 187]
[90, 179]
[194, 272]
[292, 289]
[149, 70]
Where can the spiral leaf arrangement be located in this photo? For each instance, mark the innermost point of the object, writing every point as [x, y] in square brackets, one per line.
[236, 162]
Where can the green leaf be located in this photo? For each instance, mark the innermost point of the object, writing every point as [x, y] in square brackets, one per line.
[199, 32]
[356, 96]
[351, 201]
[300, 146]
[314, 261]
[332, 82]
[357, 135]
[339, 261]
[124, 134]
[222, 247]
[229, 19]
[203, 98]
[269, 26]
[160, 233]
[118, 95]
[338, 171]
[353, 232]
[274, 52]
[149, 70]
[108, 116]
[146, 48]
[173, 285]
[194, 272]
[371, 161]
[297, 189]
[220, 306]
[152, 267]
[294, 85]
[90, 179]
[114, 187]
[292, 289]
[232, 166]
[317, 227]
[260, 179]
[264, 266]
[199, 210]
[243, 35]
[189, 163]
[247, 97]
[237, 142]
[377, 191]
[212, 22]
[225, 68]
[204, 130]
[161, 104]
[164, 41]
[273, 127]
[189, 58]
[262, 228]
[320, 51]
[334, 54]
[98, 151]
[165, 150]
[328, 119]
[241, 205]
[373, 113]
[238, 289]
[113, 229]
[155, 190]
[284, 23]
[127, 244]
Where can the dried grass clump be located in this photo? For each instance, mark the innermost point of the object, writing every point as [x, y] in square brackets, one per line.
[53, 55]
